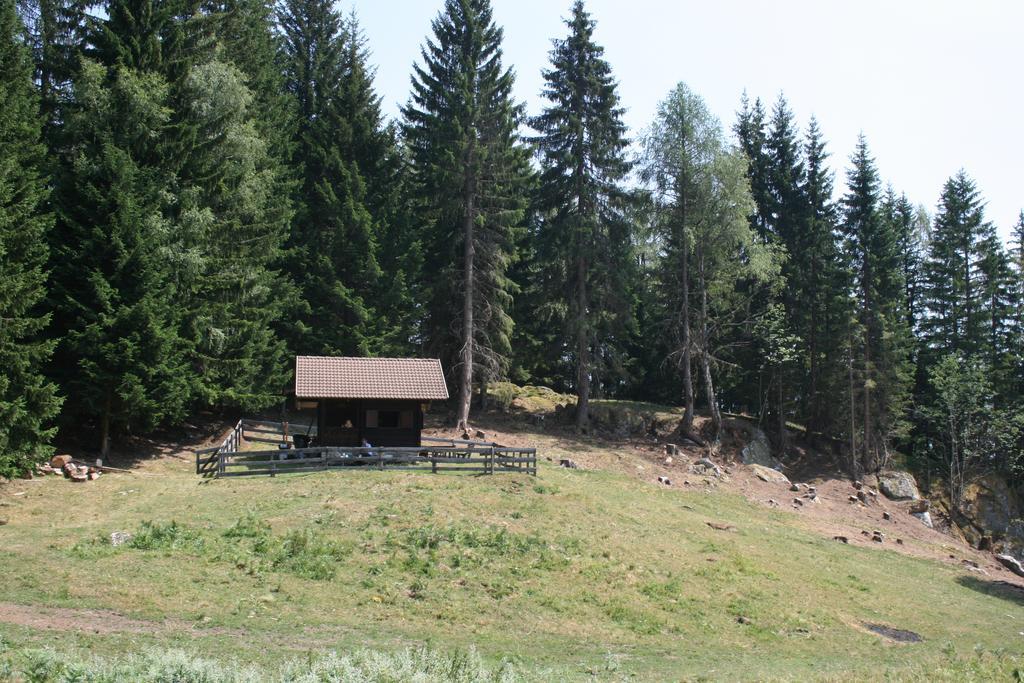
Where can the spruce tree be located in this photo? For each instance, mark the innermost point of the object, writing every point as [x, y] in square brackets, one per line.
[334, 244]
[953, 294]
[788, 211]
[121, 359]
[822, 306]
[28, 401]
[585, 235]
[231, 217]
[469, 175]
[872, 248]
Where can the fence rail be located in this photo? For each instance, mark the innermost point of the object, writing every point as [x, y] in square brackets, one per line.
[230, 460]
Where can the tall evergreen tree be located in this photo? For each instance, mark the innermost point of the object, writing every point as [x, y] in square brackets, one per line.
[821, 309]
[468, 174]
[121, 359]
[231, 216]
[585, 237]
[28, 402]
[1016, 297]
[335, 241]
[954, 295]
[884, 339]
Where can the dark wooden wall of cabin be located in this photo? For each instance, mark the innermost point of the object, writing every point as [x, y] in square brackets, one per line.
[380, 422]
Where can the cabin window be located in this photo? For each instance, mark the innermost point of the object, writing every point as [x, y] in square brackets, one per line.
[389, 419]
[341, 415]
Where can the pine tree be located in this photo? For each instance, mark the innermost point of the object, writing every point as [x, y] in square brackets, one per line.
[334, 245]
[231, 217]
[750, 131]
[954, 295]
[884, 339]
[822, 309]
[788, 211]
[121, 360]
[28, 402]
[56, 31]
[585, 237]
[1016, 298]
[468, 175]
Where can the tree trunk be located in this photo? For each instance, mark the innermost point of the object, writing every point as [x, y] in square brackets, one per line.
[782, 413]
[582, 349]
[469, 251]
[688, 396]
[105, 429]
[854, 470]
[709, 386]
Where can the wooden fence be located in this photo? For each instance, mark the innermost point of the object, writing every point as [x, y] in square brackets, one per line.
[435, 455]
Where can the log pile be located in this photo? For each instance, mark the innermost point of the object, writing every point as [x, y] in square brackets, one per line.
[72, 469]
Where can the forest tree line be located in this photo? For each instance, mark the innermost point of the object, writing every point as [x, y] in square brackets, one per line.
[192, 192]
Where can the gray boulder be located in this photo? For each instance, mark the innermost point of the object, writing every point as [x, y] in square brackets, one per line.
[759, 451]
[769, 475]
[926, 518]
[898, 485]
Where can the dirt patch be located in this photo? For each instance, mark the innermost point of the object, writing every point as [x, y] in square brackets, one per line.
[894, 634]
[89, 620]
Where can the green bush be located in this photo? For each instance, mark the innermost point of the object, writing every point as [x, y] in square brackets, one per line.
[165, 536]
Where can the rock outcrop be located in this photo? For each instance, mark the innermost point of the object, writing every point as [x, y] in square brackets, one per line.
[769, 475]
[898, 485]
[759, 451]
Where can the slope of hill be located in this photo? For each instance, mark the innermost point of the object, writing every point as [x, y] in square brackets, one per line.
[599, 571]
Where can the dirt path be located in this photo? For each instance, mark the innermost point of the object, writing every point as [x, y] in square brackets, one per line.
[92, 621]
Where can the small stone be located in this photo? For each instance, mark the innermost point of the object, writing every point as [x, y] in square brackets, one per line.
[671, 449]
[744, 620]
[665, 480]
[93, 476]
[841, 539]
[3, 522]
[797, 502]
[119, 538]
[853, 499]
[667, 462]
[568, 464]
[858, 485]
[886, 516]
[863, 497]
[795, 488]
[481, 435]
[899, 541]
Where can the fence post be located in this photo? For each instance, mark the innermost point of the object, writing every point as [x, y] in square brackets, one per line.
[220, 461]
[433, 462]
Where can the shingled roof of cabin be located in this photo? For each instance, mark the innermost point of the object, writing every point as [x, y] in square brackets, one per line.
[408, 379]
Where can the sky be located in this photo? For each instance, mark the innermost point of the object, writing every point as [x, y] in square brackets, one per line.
[934, 85]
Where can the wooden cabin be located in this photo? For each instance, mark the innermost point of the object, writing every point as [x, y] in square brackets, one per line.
[375, 401]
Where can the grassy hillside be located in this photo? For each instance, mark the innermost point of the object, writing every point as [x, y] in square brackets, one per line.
[572, 573]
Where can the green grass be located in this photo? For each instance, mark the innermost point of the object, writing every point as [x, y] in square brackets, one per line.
[581, 573]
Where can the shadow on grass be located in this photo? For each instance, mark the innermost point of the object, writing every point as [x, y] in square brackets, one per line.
[999, 589]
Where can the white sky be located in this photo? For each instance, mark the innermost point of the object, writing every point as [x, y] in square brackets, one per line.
[935, 85]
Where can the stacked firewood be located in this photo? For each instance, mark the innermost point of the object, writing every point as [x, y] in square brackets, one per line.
[71, 469]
